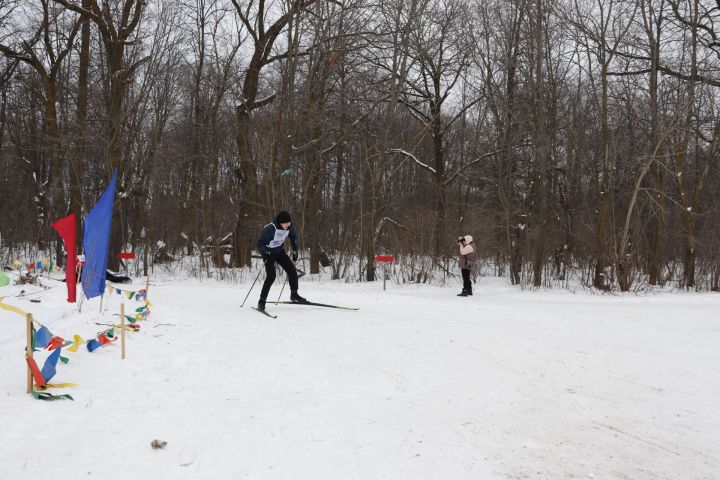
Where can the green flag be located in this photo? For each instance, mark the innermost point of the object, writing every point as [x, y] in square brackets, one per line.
[4, 280]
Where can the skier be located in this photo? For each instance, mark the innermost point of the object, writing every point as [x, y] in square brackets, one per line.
[270, 246]
[468, 258]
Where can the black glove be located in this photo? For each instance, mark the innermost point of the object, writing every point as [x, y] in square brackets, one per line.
[294, 256]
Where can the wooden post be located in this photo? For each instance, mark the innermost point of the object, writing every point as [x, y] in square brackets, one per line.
[29, 351]
[147, 288]
[122, 331]
[78, 269]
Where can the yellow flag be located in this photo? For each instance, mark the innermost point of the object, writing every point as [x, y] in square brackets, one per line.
[77, 339]
[10, 308]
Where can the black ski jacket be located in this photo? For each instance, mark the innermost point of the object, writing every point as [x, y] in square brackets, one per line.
[273, 237]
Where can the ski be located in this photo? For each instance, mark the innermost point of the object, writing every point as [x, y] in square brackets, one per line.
[264, 312]
[314, 304]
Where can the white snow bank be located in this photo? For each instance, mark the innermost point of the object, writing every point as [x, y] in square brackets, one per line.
[418, 384]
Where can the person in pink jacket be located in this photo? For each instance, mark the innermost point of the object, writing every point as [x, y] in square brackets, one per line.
[468, 259]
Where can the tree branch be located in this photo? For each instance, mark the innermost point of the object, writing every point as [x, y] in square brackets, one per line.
[413, 157]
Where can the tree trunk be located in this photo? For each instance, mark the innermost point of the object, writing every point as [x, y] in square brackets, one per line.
[601, 280]
[52, 133]
[77, 160]
[541, 148]
[439, 177]
[657, 226]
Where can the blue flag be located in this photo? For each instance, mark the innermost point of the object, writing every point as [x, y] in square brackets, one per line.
[93, 345]
[42, 338]
[96, 242]
[48, 370]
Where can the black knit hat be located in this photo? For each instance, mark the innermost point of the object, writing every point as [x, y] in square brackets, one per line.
[283, 217]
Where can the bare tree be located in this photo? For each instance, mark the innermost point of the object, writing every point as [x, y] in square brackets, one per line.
[117, 22]
[440, 59]
[56, 34]
[264, 35]
[602, 25]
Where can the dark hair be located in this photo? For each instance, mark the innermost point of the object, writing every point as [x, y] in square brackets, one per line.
[283, 217]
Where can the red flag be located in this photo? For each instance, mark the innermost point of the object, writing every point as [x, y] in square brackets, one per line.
[66, 228]
[36, 373]
[55, 342]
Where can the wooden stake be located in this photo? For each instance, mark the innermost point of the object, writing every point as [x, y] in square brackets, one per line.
[29, 351]
[78, 269]
[147, 288]
[122, 331]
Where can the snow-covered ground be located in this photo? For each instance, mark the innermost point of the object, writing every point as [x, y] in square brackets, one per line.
[418, 384]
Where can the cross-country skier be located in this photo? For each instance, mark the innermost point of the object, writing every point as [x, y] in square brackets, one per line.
[270, 246]
[468, 258]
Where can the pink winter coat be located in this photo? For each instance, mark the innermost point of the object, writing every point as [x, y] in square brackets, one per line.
[468, 254]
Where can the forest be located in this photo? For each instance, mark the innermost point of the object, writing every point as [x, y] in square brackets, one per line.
[573, 139]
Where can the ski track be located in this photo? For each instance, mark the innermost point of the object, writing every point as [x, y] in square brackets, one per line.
[418, 384]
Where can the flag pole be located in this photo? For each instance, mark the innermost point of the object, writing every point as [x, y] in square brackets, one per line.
[29, 351]
[82, 293]
[122, 331]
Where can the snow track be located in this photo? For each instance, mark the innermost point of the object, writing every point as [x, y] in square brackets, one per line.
[418, 384]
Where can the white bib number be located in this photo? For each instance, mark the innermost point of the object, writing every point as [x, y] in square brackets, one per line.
[280, 236]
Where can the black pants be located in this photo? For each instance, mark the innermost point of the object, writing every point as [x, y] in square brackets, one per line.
[284, 261]
[467, 285]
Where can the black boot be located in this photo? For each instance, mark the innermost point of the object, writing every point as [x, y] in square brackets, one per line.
[464, 293]
[469, 292]
[296, 298]
[261, 305]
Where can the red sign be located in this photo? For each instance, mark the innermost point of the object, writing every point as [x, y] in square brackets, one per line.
[126, 255]
[384, 258]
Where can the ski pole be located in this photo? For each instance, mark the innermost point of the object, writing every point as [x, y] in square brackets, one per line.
[253, 285]
[281, 290]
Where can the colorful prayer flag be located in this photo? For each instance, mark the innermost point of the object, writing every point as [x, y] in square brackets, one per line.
[54, 343]
[10, 308]
[48, 370]
[67, 228]
[96, 241]
[42, 338]
[37, 375]
[93, 345]
[77, 341]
